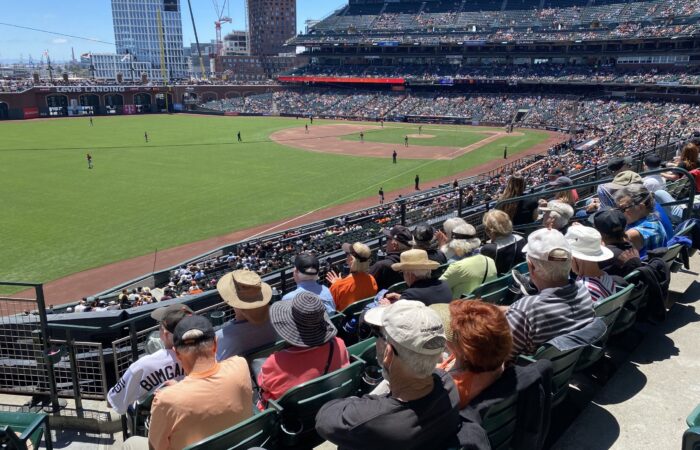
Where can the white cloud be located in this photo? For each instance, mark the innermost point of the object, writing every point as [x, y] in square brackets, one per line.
[59, 41]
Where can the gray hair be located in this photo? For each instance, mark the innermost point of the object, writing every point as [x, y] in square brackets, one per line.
[559, 220]
[638, 194]
[421, 274]
[463, 247]
[552, 271]
[452, 223]
[420, 365]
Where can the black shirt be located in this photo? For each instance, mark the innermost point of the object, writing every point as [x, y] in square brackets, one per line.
[429, 292]
[382, 272]
[625, 260]
[382, 422]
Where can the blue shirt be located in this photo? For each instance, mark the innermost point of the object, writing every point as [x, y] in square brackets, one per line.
[652, 232]
[315, 288]
[239, 337]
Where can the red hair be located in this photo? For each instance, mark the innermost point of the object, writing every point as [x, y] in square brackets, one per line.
[482, 340]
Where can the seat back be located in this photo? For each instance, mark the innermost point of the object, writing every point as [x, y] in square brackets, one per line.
[563, 365]
[298, 406]
[9, 439]
[609, 308]
[258, 431]
[522, 268]
[265, 350]
[671, 254]
[628, 315]
[138, 416]
[492, 291]
[398, 287]
[32, 426]
[691, 436]
[500, 421]
[354, 309]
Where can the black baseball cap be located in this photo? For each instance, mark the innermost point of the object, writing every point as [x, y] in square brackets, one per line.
[615, 164]
[171, 315]
[423, 234]
[652, 161]
[610, 222]
[399, 233]
[192, 330]
[307, 264]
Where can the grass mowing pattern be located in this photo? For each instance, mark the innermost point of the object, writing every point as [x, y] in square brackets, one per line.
[443, 137]
[191, 182]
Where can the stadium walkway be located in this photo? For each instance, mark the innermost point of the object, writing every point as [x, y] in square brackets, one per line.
[642, 406]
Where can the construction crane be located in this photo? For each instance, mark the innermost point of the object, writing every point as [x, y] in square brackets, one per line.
[220, 19]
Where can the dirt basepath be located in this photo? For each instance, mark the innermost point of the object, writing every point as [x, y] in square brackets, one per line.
[88, 282]
[327, 139]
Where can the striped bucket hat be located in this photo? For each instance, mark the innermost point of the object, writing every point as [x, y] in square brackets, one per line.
[303, 321]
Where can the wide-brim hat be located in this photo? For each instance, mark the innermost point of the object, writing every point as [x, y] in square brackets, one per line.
[586, 244]
[415, 259]
[243, 289]
[303, 321]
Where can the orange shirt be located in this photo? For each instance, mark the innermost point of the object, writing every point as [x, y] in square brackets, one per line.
[356, 286]
[462, 380]
[195, 408]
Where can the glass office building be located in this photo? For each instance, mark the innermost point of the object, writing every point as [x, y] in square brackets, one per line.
[136, 32]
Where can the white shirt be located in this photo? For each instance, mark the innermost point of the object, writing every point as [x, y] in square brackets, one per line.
[654, 183]
[143, 377]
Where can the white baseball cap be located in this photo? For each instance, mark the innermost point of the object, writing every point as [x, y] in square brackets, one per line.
[547, 245]
[410, 324]
[586, 244]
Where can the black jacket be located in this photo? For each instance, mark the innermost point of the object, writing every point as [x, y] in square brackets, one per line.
[532, 383]
[429, 292]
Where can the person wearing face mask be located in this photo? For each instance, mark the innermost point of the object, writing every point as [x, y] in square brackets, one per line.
[421, 408]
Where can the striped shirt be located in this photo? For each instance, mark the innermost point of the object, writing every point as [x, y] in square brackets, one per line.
[599, 287]
[535, 319]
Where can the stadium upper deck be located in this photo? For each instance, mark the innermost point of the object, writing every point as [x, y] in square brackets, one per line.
[470, 22]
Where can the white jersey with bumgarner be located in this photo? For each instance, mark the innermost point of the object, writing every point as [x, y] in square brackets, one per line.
[143, 377]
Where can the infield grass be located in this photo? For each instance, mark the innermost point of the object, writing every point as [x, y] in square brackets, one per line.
[190, 182]
[433, 136]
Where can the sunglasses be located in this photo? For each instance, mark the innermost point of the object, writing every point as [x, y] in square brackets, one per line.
[379, 334]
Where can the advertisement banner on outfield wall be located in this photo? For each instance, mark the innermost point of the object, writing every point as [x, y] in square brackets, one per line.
[31, 113]
[306, 79]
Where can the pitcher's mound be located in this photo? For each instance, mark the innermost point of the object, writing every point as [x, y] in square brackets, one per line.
[421, 136]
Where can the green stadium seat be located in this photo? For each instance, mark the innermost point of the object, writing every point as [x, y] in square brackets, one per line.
[355, 309]
[563, 366]
[30, 426]
[259, 431]
[607, 309]
[138, 415]
[522, 268]
[265, 351]
[691, 436]
[496, 292]
[398, 287]
[298, 406]
[628, 316]
[500, 422]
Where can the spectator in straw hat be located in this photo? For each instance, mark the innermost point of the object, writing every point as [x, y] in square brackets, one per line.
[359, 284]
[306, 270]
[147, 374]
[417, 272]
[421, 409]
[249, 297]
[314, 348]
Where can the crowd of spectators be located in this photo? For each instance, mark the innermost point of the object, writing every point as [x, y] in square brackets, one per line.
[487, 18]
[541, 73]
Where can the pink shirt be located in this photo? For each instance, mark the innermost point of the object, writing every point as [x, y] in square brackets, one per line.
[291, 367]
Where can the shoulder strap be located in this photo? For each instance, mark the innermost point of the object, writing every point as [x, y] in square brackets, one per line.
[330, 357]
[486, 271]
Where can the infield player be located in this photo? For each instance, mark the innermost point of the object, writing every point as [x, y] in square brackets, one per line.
[89, 160]
[145, 136]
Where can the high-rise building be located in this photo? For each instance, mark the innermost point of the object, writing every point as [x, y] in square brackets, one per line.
[137, 32]
[270, 24]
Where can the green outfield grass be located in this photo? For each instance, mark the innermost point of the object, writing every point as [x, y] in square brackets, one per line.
[442, 136]
[191, 182]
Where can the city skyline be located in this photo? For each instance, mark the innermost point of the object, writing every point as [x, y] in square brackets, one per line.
[93, 19]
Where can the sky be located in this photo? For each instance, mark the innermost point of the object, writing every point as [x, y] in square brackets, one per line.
[93, 19]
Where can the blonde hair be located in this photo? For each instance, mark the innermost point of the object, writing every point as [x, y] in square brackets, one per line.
[357, 265]
[497, 224]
